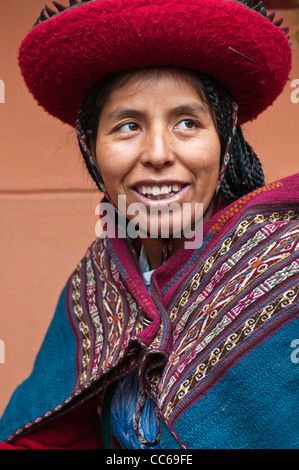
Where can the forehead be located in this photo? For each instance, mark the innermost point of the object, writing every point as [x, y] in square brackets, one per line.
[168, 86]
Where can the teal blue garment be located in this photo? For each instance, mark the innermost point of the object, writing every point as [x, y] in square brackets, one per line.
[48, 384]
[248, 407]
[124, 407]
[125, 401]
[246, 398]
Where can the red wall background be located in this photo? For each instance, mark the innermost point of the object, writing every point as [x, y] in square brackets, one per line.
[47, 201]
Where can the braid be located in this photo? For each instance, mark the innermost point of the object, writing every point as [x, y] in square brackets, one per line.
[87, 123]
[219, 99]
[244, 171]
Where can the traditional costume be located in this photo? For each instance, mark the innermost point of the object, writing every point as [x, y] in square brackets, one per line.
[198, 353]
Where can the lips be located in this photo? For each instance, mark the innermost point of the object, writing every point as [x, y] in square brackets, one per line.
[159, 191]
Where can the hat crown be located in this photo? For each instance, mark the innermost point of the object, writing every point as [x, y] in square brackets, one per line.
[73, 47]
[48, 12]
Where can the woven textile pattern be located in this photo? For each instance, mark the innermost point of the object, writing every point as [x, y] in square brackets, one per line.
[103, 313]
[237, 295]
[245, 290]
[211, 314]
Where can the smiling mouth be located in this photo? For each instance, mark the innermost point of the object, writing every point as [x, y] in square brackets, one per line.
[159, 192]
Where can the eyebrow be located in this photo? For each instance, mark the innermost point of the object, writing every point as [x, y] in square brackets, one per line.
[120, 113]
[190, 108]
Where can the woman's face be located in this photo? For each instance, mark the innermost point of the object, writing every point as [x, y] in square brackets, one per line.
[157, 145]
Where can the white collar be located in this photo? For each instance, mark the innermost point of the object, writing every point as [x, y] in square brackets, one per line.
[144, 266]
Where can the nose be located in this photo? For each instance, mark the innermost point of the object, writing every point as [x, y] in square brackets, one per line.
[158, 151]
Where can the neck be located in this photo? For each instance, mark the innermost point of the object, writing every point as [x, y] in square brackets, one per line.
[154, 247]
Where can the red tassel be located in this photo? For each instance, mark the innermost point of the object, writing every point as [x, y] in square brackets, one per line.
[271, 16]
[50, 11]
[59, 6]
[278, 22]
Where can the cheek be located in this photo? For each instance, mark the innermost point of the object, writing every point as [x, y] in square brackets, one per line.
[205, 159]
[110, 165]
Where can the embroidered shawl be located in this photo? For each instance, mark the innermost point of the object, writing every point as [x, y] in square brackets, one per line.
[212, 340]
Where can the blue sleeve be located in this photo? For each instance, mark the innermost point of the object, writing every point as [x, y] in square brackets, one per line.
[52, 379]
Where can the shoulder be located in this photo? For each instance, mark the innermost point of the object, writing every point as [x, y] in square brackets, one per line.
[279, 197]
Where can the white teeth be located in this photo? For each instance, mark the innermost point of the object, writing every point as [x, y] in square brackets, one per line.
[156, 191]
[165, 189]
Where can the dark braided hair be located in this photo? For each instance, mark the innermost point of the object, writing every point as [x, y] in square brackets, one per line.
[244, 172]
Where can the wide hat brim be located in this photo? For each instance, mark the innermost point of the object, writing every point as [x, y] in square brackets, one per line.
[62, 57]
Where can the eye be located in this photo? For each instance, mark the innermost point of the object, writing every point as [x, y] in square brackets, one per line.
[129, 127]
[187, 124]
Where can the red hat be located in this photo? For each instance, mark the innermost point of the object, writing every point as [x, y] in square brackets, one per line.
[70, 49]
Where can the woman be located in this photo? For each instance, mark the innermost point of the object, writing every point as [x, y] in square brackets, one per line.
[156, 343]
